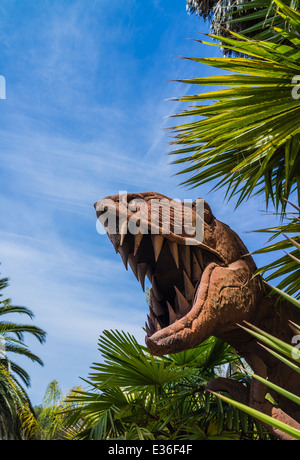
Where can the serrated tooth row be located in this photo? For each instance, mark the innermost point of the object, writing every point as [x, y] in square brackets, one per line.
[149, 327]
[157, 243]
[182, 307]
[179, 252]
[153, 325]
[191, 260]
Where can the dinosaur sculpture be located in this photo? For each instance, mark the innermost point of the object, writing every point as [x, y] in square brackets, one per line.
[208, 289]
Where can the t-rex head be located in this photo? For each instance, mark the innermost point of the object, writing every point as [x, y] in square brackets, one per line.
[198, 290]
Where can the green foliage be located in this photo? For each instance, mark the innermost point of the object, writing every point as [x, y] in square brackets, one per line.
[244, 140]
[133, 395]
[17, 420]
[51, 418]
[287, 267]
[259, 18]
[247, 140]
[16, 416]
[13, 336]
[289, 355]
[254, 18]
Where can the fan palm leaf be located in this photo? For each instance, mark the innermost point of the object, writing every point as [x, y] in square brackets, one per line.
[134, 395]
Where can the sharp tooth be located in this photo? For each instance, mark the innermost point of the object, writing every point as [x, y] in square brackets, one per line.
[148, 330]
[152, 317]
[156, 306]
[123, 232]
[133, 264]
[124, 251]
[157, 242]
[141, 271]
[156, 292]
[174, 250]
[199, 257]
[188, 287]
[172, 314]
[155, 320]
[137, 241]
[149, 273]
[115, 239]
[151, 325]
[196, 271]
[157, 325]
[186, 258]
[184, 306]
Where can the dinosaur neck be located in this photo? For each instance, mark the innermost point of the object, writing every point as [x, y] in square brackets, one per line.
[272, 317]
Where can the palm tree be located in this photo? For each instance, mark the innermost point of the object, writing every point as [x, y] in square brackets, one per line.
[248, 17]
[256, 153]
[17, 420]
[51, 418]
[247, 139]
[12, 335]
[133, 395]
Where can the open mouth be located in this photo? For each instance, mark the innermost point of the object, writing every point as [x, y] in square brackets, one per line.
[174, 271]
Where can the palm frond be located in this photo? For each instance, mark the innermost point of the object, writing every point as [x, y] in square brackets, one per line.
[244, 140]
[133, 395]
[256, 19]
[286, 268]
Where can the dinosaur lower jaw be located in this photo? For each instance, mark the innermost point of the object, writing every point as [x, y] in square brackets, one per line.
[174, 337]
[186, 330]
[175, 272]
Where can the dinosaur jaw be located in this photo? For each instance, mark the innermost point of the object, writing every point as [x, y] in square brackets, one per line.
[176, 272]
[188, 327]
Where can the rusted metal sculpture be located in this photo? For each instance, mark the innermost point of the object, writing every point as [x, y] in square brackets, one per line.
[207, 290]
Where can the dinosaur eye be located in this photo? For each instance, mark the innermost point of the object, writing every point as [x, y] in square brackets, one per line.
[207, 213]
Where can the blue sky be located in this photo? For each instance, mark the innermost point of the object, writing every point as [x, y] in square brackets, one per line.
[84, 117]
